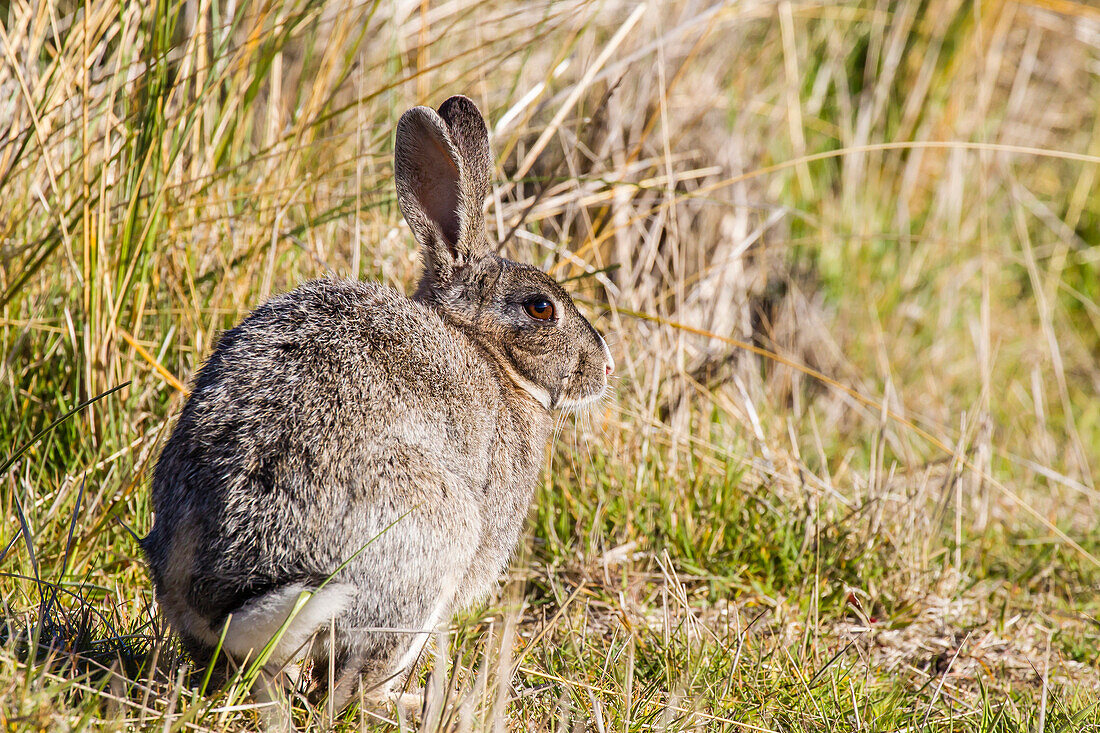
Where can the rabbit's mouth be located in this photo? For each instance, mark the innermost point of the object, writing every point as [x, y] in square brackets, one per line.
[594, 385]
[574, 404]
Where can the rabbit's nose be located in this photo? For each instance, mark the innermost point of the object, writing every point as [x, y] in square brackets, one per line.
[609, 361]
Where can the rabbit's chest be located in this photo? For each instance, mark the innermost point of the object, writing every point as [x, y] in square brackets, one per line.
[507, 496]
[514, 465]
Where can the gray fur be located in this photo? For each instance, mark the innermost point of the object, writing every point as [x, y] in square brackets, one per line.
[340, 408]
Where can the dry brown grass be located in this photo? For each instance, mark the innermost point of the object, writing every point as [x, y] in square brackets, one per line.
[846, 254]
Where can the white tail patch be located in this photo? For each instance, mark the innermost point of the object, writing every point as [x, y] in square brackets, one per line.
[257, 622]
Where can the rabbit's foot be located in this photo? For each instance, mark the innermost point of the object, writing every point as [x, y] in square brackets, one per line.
[406, 706]
[273, 689]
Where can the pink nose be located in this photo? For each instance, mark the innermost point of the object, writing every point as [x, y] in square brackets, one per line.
[610, 369]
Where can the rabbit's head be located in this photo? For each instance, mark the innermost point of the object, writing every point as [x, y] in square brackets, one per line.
[516, 312]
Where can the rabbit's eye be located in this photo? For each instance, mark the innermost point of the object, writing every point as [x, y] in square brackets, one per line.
[540, 309]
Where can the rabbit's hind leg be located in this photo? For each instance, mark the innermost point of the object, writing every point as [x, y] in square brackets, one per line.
[422, 539]
[270, 691]
[378, 693]
[385, 675]
[336, 678]
[375, 666]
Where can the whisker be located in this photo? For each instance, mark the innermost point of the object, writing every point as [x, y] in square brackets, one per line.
[573, 453]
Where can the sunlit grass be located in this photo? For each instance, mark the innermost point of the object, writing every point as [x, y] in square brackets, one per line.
[846, 258]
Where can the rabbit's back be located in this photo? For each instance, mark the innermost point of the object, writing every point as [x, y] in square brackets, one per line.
[322, 418]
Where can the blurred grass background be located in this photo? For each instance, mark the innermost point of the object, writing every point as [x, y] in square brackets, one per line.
[847, 255]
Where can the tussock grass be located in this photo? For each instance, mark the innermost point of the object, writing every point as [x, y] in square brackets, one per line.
[846, 256]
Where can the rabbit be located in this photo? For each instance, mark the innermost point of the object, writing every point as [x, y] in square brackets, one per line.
[362, 462]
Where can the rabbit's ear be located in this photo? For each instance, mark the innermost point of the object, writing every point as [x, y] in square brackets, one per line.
[442, 178]
[471, 137]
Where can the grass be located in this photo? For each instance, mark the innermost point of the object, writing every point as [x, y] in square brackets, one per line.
[846, 255]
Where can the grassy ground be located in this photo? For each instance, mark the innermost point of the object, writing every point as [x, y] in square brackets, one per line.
[848, 258]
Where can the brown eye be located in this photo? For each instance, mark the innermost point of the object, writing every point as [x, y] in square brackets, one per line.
[540, 309]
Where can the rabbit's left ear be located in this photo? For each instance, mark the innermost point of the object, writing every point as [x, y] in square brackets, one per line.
[442, 167]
